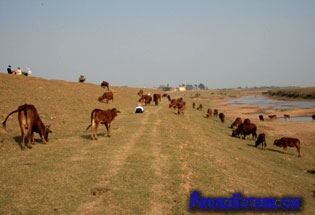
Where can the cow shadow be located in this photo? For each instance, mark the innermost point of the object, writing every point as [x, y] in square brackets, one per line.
[87, 136]
[311, 172]
[18, 140]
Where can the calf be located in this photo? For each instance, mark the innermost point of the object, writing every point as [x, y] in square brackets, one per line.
[146, 99]
[209, 113]
[105, 84]
[244, 129]
[287, 141]
[222, 117]
[246, 121]
[99, 116]
[236, 122]
[107, 96]
[215, 112]
[29, 119]
[261, 140]
[199, 107]
[156, 98]
[286, 116]
[261, 117]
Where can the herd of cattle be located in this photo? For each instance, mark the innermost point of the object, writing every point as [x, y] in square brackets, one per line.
[29, 120]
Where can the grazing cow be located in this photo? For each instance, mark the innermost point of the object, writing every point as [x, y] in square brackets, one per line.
[244, 129]
[286, 116]
[29, 119]
[175, 103]
[193, 105]
[99, 116]
[261, 140]
[156, 98]
[209, 113]
[140, 93]
[222, 117]
[246, 121]
[261, 117]
[287, 141]
[146, 99]
[181, 107]
[106, 96]
[236, 122]
[105, 84]
[215, 112]
[199, 107]
[273, 117]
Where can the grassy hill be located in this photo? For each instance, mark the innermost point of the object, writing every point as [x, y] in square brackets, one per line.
[150, 164]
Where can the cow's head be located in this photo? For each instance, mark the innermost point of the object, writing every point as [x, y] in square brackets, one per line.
[46, 132]
[277, 143]
[234, 133]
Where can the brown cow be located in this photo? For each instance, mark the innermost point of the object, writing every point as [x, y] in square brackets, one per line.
[106, 96]
[105, 84]
[273, 117]
[29, 119]
[261, 140]
[261, 117]
[146, 99]
[140, 93]
[236, 122]
[286, 116]
[313, 117]
[287, 141]
[246, 121]
[222, 117]
[244, 129]
[181, 107]
[200, 107]
[156, 98]
[209, 113]
[215, 112]
[99, 116]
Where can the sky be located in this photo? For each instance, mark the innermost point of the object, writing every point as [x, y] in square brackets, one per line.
[146, 43]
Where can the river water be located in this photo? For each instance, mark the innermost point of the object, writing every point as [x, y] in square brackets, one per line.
[263, 101]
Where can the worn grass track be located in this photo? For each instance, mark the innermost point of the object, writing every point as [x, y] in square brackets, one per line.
[150, 165]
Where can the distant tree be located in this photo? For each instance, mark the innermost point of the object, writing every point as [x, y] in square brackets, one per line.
[165, 88]
[196, 86]
[189, 87]
[202, 86]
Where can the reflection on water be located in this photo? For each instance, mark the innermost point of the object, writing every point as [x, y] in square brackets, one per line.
[262, 101]
[267, 102]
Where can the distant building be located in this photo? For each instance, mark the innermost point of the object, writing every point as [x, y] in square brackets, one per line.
[182, 88]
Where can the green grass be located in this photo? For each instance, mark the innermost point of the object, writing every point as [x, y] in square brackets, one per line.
[150, 164]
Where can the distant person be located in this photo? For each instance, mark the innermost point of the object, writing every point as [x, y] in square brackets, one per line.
[19, 71]
[139, 109]
[9, 70]
[29, 72]
[81, 78]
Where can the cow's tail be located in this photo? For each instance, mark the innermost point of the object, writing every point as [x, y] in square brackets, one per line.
[88, 127]
[5, 121]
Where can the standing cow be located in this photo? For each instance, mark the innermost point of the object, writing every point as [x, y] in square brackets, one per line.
[29, 119]
[261, 140]
[99, 116]
[105, 84]
[286, 142]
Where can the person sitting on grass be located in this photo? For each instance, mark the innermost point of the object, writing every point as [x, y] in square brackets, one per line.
[139, 109]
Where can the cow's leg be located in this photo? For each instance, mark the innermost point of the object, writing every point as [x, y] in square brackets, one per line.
[29, 137]
[32, 138]
[108, 129]
[299, 152]
[23, 137]
[95, 131]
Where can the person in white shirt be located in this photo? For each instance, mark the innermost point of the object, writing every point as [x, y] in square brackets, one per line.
[139, 109]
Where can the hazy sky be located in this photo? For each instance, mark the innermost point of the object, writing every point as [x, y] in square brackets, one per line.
[220, 43]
